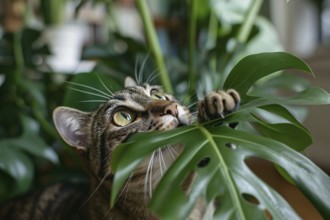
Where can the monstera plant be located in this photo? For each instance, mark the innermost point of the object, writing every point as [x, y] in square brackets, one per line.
[223, 152]
[218, 44]
[218, 154]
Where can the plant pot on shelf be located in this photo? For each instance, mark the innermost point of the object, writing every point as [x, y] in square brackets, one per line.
[65, 43]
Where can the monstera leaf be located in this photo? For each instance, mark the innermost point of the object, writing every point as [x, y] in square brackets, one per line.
[15, 158]
[217, 154]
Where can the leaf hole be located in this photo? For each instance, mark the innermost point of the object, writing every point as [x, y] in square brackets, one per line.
[250, 198]
[233, 124]
[268, 173]
[204, 162]
[231, 146]
[268, 215]
[188, 182]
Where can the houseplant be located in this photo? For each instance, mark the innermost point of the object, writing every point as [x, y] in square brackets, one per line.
[217, 151]
[224, 175]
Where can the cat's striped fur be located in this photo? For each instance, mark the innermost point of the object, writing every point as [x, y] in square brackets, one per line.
[137, 108]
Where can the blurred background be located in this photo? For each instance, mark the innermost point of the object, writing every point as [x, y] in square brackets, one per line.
[44, 43]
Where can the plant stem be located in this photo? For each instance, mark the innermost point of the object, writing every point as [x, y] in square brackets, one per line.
[212, 36]
[244, 31]
[19, 82]
[228, 178]
[153, 44]
[18, 55]
[248, 21]
[46, 126]
[192, 43]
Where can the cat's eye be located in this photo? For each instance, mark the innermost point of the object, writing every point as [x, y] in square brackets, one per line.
[158, 95]
[123, 117]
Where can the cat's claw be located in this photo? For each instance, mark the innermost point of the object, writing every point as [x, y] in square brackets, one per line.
[218, 104]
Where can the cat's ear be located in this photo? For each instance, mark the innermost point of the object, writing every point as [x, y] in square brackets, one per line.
[129, 81]
[73, 126]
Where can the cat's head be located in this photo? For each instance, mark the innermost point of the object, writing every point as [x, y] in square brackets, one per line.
[136, 108]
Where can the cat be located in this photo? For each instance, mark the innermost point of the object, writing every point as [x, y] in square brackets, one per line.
[94, 135]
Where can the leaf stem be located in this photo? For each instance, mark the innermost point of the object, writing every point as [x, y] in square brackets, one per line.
[248, 21]
[19, 82]
[227, 177]
[50, 130]
[18, 56]
[153, 44]
[192, 43]
[212, 38]
[243, 32]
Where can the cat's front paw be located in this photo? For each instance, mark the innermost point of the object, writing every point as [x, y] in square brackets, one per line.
[218, 104]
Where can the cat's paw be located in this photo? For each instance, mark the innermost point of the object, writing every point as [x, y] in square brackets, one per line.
[218, 104]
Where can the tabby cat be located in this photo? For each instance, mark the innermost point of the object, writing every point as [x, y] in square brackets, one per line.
[94, 135]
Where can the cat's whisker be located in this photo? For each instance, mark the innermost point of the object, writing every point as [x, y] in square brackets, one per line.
[141, 71]
[193, 103]
[125, 187]
[97, 188]
[135, 71]
[173, 150]
[152, 76]
[147, 175]
[160, 161]
[168, 148]
[95, 100]
[150, 177]
[192, 100]
[106, 214]
[91, 88]
[90, 93]
[129, 181]
[110, 92]
[163, 161]
[187, 96]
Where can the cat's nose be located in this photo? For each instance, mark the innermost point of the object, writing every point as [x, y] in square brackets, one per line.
[171, 109]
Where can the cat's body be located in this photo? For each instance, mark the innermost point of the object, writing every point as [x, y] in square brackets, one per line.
[96, 134]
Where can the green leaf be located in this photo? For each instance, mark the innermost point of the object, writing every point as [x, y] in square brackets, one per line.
[275, 131]
[31, 142]
[271, 85]
[17, 165]
[309, 96]
[254, 67]
[292, 129]
[226, 177]
[33, 93]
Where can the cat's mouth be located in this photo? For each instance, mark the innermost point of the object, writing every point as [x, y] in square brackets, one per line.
[170, 122]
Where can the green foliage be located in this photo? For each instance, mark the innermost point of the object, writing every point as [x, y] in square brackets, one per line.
[211, 53]
[23, 144]
[252, 68]
[15, 159]
[226, 177]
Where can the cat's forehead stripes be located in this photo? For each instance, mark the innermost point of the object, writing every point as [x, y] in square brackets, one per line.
[136, 93]
[144, 89]
[136, 98]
